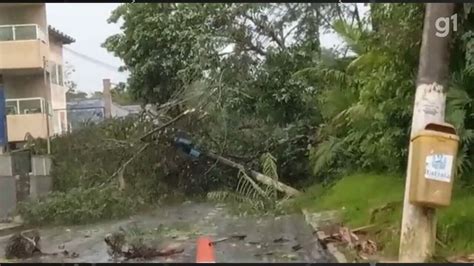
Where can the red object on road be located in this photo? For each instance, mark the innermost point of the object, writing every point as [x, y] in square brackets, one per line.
[205, 251]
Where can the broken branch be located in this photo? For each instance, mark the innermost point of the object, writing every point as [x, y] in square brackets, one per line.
[121, 169]
[168, 123]
[259, 176]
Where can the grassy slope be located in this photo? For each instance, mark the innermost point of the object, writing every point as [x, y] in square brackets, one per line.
[357, 195]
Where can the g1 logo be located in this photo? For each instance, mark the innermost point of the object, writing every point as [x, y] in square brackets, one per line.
[443, 26]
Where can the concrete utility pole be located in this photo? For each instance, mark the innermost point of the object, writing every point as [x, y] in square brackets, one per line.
[418, 232]
[107, 98]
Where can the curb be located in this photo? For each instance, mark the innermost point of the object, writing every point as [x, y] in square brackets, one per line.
[321, 235]
[10, 228]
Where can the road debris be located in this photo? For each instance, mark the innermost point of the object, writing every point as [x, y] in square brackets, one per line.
[120, 244]
[23, 245]
[147, 252]
[296, 247]
[280, 240]
[238, 237]
[364, 247]
[68, 255]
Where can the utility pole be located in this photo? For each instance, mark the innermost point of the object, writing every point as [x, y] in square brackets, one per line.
[418, 232]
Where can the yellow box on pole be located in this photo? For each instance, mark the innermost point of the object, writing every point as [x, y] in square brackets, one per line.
[433, 165]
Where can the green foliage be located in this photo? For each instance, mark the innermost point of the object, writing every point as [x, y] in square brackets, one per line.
[454, 226]
[249, 52]
[89, 156]
[87, 162]
[74, 95]
[366, 105]
[121, 95]
[356, 196]
[258, 73]
[247, 194]
[164, 46]
[250, 195]
[77, 206]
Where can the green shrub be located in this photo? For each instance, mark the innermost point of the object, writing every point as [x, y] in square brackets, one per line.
[77, 206]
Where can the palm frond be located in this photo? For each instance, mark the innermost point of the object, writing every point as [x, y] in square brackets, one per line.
[270, 169]
[269, 165]
[325, 153]
[351, 35]
[368, 61]
[247, 192]
[463, 162]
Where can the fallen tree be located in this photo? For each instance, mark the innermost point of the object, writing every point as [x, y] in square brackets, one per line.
[290, 191]
[266, 180]
[133, 160]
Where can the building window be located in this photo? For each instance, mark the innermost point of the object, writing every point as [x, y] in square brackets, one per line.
[19, 32]
[60, 75]
[62, 118]
[25, 32]
[56, 123]
[57, 74]
[6, 33]
[53, 75]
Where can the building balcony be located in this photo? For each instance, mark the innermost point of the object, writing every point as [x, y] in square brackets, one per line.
[27, 117]
[23, 47]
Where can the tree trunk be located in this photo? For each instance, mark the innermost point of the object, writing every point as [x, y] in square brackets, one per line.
[418, 232]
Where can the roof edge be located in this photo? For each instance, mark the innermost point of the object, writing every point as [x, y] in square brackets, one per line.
[64, 38]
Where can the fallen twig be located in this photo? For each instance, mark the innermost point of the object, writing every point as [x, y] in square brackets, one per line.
[362, 228]
[239, 237]
[337, 236]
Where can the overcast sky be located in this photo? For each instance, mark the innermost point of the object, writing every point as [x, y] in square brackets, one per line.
[87, 23]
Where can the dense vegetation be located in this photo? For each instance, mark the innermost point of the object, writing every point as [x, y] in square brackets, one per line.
[105, 171]
[270, 86]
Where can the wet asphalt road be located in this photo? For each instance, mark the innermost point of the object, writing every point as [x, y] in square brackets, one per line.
[268, 239]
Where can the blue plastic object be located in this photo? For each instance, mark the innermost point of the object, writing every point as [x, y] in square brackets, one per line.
[186, 146]
[194, 153]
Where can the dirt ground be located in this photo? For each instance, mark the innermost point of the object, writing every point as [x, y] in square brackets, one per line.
[267, 239]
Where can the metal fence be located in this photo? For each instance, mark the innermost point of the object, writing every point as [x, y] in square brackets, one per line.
[79, 116]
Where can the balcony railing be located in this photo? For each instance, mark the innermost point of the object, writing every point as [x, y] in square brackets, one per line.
[27, 117]
[22, 106]
[21, 32]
